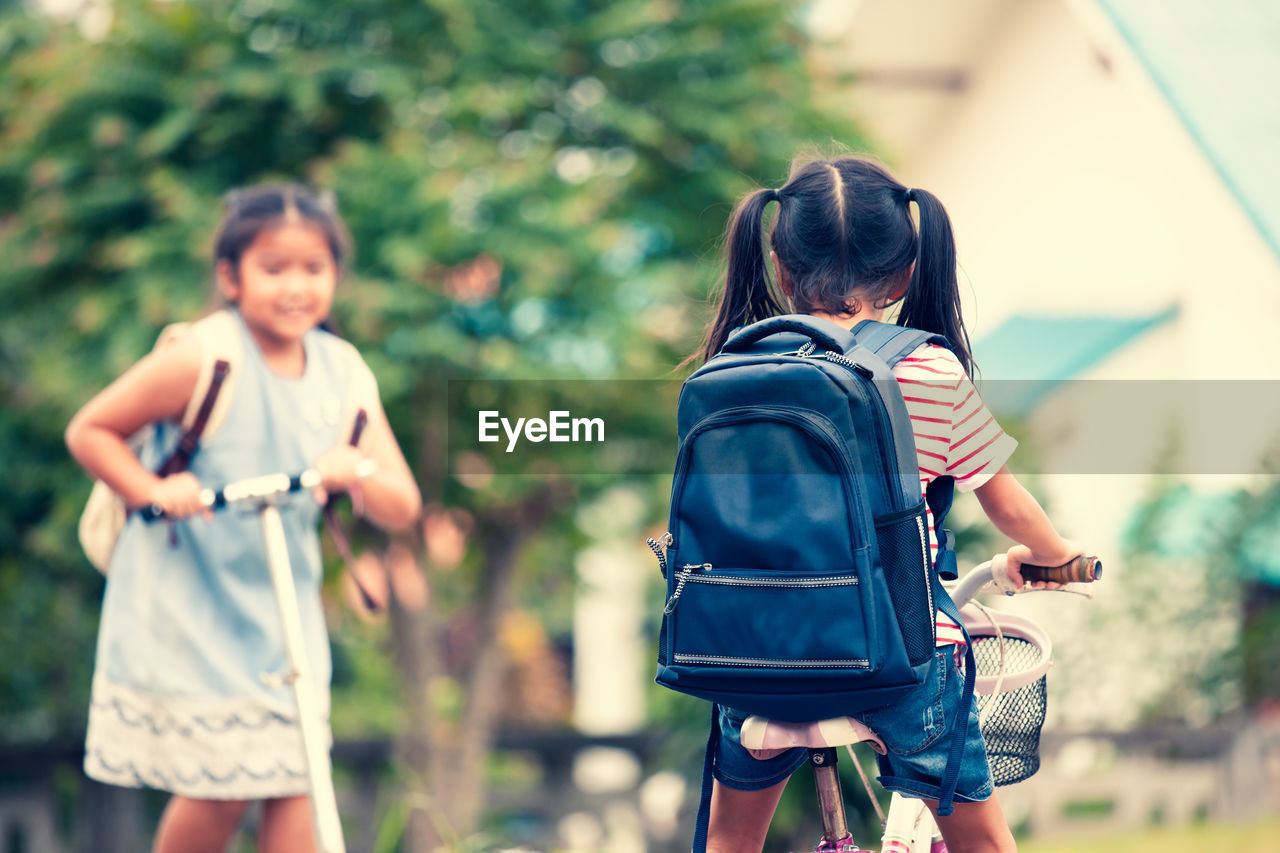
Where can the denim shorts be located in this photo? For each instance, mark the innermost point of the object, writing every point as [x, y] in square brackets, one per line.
[916, 731]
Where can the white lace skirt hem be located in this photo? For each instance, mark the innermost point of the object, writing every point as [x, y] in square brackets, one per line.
[220, 749]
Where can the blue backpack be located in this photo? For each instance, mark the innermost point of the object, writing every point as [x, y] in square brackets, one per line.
[799, 580]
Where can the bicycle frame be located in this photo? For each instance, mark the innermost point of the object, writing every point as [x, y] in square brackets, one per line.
[909, 828]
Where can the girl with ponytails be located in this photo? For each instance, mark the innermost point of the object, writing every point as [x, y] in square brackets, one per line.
[849, 242]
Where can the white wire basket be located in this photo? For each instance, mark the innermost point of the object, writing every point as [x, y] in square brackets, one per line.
[1012, 655]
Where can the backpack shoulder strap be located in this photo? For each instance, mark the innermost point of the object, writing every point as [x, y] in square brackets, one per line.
[360, 396]
[702, 824]
[223, 357]
[211, 396]
[358, 400]
[894, 343]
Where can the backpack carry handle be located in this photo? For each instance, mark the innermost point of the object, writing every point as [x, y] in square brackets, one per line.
[804, 325]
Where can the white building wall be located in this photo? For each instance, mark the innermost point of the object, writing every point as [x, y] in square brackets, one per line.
[1074, 189]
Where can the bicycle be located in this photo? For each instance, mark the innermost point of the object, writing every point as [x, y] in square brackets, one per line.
[263, 495]
[1010, 702]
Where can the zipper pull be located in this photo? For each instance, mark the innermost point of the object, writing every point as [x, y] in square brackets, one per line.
[675, 596]
[659, 548]
[685, 571]
[805, 351]
[842, 359]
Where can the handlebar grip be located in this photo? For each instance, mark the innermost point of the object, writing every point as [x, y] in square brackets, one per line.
[209, 499]
[1080, 570]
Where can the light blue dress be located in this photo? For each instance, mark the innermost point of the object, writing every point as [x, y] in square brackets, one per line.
[190, 637]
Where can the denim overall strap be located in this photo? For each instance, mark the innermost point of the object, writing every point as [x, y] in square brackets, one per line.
[708, 771]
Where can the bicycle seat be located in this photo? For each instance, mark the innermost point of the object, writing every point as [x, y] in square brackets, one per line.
[765, 738]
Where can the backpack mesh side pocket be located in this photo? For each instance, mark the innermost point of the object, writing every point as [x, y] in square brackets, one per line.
[903, 540]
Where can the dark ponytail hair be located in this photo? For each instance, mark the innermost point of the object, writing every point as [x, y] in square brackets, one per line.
[843, 234]
[748, 294]
[932, 301]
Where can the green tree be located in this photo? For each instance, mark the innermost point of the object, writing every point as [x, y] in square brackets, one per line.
[1203, 562]
[534, 189]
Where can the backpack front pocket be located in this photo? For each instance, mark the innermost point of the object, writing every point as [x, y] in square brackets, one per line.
[782, 623]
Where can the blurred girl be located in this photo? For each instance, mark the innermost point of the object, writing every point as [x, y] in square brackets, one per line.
[183, 694]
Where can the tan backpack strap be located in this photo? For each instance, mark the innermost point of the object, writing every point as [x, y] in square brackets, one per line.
[219, 336]
[222, 351]
[190, 441]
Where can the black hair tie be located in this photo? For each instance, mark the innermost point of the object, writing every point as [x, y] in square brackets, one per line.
[774, 196]
[910, 196]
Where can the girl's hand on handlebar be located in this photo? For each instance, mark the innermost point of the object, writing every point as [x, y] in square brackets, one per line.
[1019, 554]
[339, 471]
[178, 495]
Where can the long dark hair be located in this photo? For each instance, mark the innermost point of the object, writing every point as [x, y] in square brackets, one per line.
[844, 234]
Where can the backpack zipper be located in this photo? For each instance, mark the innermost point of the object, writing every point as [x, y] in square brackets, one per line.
[685, 573]
[719, 660]
[842, 359]
[687, 576]
[883, 436]
[789, 582]
[928, 579]
[659, 548]
[807, 353]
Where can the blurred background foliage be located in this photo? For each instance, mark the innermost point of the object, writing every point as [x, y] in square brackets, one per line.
[535, 190]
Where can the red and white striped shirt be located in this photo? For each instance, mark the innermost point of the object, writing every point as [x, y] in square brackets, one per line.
[955, 434]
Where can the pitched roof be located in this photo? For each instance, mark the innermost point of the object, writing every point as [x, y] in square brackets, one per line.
[1216, 64]
[1031, 354]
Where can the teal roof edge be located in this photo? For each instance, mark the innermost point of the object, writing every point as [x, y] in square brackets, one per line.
[1029, 355]
[1188, 121]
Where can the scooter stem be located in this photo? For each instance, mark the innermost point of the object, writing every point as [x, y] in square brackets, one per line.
[324, 805]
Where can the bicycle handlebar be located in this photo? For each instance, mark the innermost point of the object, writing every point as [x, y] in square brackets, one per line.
[259, 488]
[1082, 569]
[981, 578]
